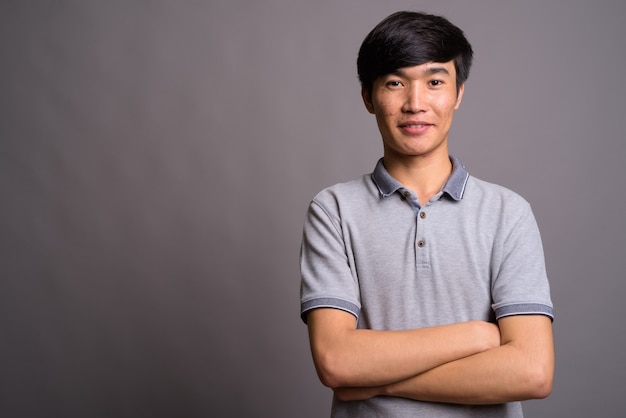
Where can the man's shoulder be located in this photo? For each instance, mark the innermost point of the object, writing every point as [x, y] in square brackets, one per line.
[484, 191]
[360, 187]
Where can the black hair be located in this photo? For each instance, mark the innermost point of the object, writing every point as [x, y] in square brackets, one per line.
[406, 39]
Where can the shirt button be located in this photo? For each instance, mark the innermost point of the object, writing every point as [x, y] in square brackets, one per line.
[421, 243]
[406, 194]
[423, 215]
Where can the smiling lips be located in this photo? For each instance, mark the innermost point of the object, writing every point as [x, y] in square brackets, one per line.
[414, 127]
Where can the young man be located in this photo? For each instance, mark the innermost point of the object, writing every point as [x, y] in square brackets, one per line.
[424, 289]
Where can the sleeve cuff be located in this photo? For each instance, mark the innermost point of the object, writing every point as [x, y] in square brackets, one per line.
[524, 309]
[328, 303]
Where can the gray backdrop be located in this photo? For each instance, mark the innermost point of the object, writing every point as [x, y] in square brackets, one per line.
[157, 158]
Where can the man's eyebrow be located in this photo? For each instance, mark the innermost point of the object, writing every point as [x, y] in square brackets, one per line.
[435, 69]
[398, 72]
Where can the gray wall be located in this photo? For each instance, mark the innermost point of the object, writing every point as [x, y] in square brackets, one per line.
[157, 158]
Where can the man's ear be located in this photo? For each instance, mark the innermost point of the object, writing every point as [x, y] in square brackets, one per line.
[459, 96]
[367, 100]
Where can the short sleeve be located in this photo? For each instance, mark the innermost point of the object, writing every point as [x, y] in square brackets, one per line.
[327, 278]
[520, 284]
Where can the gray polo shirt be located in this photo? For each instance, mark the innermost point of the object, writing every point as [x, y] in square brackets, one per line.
[473, 252]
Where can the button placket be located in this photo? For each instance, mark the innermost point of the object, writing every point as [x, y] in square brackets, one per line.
[421, 243]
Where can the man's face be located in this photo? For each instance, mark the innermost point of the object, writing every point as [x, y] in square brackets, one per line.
[414, 107]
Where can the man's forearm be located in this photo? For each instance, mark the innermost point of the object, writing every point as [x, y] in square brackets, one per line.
[346, 356]
[519, 369]
[485, 378]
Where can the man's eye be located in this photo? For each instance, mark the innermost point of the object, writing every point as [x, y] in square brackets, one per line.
[436, 82]
[394, 84]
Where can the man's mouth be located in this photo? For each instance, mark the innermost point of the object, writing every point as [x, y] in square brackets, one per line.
[414, 124]
[416, 127]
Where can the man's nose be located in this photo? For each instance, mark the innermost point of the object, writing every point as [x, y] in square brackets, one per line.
[414, 100]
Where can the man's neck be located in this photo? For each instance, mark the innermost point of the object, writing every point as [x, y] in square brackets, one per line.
[424, 175]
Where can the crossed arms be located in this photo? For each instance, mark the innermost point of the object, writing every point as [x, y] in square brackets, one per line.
[472, 362]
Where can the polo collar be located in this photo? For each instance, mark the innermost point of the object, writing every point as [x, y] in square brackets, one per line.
[454, 187]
